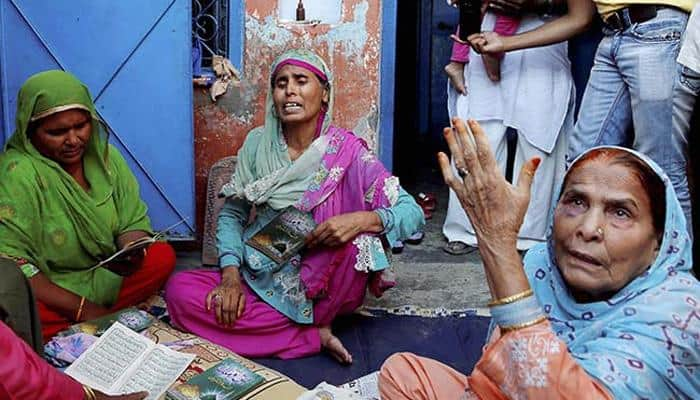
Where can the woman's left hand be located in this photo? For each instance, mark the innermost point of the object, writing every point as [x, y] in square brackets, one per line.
[340, 229]
[495, 208]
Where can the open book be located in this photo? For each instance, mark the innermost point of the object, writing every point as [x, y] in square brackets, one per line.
[122, 361]
[129, 249]
[137, 245]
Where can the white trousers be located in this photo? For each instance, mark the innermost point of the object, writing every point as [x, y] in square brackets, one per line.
[545, 186]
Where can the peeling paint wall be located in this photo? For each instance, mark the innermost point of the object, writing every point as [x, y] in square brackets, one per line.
[352, 50]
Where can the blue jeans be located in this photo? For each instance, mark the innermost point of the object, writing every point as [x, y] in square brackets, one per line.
[632, 84]
[685, 93]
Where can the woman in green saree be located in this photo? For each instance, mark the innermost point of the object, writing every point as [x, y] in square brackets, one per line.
[69, 200]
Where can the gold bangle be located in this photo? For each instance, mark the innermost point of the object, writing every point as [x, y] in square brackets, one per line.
[510, 328]
[80, 309]
[511, 299]
[89, 393]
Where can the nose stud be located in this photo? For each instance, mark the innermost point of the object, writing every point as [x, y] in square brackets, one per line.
[600, 231]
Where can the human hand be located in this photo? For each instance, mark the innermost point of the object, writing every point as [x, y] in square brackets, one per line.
[126, 266]
[495, 208]
[131, 396]
[227, 298]
[487, 43]
[342, 228]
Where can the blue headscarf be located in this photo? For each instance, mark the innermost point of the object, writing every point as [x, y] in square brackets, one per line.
[644, 342]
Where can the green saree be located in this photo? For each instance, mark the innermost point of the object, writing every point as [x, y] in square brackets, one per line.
[48, 222]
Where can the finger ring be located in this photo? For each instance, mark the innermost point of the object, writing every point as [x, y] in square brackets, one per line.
[463, 172]
[217, 297]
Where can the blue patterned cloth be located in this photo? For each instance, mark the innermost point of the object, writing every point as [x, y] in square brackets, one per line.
[644, 342]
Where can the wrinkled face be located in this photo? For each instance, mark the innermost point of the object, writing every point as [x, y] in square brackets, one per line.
[62, 137]
[298, 95]
[604, 235]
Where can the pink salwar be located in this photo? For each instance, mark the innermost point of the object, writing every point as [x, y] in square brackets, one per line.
[530, 363]
[261, 331]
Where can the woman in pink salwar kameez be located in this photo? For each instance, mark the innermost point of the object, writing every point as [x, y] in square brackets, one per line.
[607, 309]
[297, 159]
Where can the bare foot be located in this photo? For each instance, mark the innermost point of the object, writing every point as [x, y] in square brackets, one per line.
[455, 73]
[492, 63]
[334, 346]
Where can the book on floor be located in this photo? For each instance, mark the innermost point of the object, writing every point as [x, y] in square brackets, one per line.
[285, 235]
[366, 386]
[122, 361]
[227, 380]
[133, 318]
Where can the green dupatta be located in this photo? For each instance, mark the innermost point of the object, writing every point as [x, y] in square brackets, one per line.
[264, 172]
[46, 219]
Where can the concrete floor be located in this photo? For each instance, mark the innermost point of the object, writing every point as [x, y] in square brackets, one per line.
[427, 277]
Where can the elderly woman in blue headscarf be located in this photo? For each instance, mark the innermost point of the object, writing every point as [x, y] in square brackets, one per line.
[606, 309]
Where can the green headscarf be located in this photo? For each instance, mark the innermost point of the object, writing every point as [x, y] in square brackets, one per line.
[47, 219]
[264, 172]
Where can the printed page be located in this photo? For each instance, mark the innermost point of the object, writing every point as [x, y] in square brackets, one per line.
[366, 386]
[156, 372]
[108, 360]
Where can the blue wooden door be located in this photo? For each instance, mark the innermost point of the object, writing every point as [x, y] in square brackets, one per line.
[135, 56]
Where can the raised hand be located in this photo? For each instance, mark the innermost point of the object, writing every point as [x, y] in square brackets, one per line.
[495, 208]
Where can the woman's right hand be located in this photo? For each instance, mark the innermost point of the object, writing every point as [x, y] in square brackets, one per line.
[495, 208]
[227, 298]
[131, 396]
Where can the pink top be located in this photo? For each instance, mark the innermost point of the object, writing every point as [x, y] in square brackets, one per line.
[24, 375]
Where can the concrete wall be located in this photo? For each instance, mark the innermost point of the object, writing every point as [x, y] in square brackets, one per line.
[352, 49]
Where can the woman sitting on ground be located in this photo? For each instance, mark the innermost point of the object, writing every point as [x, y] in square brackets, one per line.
[296, 159]
[69, 200]
[615, 310]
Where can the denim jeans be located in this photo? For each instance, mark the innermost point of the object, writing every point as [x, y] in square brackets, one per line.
[685, 92]
[632, 84]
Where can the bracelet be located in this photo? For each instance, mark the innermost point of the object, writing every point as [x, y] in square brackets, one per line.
[79, 313]
[510, 328]
[89, 393]
[511, 299]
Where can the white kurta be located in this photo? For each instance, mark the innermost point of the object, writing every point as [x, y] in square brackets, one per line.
[536, 98]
